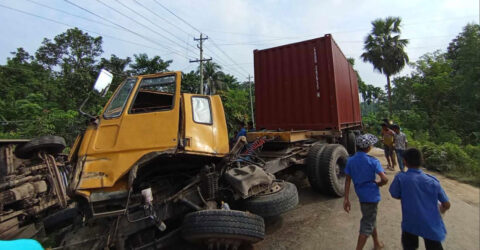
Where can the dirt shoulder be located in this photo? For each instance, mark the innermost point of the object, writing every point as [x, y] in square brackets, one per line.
[319, 222]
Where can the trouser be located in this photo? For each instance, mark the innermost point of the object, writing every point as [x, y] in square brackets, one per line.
[399, 153]
[410, 242]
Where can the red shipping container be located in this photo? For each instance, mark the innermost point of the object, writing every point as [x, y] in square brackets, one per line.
[308, 85]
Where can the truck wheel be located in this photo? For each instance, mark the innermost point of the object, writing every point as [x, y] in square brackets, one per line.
[217, 227]
[50, 144]
[313, 166]
[279, 200]
[333, 160]
[351, 145]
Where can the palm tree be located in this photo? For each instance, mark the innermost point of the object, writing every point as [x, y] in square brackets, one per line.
[212, 72]
[385, 50]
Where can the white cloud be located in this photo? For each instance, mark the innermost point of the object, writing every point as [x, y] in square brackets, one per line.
[261, 24]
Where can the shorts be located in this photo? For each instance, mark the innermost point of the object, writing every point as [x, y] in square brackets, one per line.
[369, 217]
[389, 150]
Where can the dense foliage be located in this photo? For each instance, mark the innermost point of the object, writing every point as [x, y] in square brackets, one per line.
[438, 106]
[40, 94]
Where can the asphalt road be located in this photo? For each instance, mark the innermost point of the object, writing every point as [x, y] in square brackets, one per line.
[319, 222]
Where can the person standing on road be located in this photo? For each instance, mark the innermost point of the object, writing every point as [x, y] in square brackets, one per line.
[362, 168]
[388, 137]
[400, 145]
[423, 199]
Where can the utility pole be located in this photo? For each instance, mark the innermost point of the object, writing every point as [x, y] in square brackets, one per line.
[201, 60]
[251, 100]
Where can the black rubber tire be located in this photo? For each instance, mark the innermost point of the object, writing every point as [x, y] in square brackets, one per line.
[274, 204]
[351, 145]
[313, 166]
[333, 177]
[220, 224]
[50, 144]
[60, 219]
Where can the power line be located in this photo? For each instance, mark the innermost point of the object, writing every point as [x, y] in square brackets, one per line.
[224, 64]
[141, 24]
[91, 31]
[233, 61]
[154, 24]
[71, 14]
[68, 25]
[126, 29]
[191, 26]
[181, 19]
[164, 19]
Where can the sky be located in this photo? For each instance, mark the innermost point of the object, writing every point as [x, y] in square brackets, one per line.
[234, 27]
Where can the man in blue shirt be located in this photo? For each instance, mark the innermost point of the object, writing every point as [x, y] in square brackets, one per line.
[362, 169]
[423, 199]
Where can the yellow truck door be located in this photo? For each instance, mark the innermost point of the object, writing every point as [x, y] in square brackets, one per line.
[144, 120]
[205, 125]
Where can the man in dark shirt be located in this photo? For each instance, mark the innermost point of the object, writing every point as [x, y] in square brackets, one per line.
[423, 199]
[362, 169]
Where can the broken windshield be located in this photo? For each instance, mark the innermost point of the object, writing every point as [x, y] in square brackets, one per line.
[117, 105]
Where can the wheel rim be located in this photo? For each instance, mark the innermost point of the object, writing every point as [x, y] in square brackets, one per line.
[339, 170]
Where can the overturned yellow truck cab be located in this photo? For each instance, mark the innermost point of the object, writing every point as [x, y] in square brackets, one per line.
[147, 117]
[157, 162]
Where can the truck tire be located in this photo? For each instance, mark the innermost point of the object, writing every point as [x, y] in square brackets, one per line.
[60, 219]
[217, 226]
[351, 145]
[50, 144]
[313, 166]
[333, 160]
[276, 203]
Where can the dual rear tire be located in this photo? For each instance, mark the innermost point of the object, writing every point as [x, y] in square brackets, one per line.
[326, 168]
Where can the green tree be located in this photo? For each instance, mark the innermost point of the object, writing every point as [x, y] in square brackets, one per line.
[464, 53]
[214, 76]
[144, 65]
[386, 50]
[117, 66]
[191, 82]
[75, 53]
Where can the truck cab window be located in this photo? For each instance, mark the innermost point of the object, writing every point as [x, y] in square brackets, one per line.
[201, 110]
[116, 106]
[154, 94]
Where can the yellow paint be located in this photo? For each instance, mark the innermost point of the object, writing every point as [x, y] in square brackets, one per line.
[74, 148]
[285, 136]
[206, 138]
[114, 145]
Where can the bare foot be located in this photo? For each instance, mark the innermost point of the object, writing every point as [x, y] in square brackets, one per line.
[379, 246]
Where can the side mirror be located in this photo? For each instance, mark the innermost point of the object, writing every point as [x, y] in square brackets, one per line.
[103, 82]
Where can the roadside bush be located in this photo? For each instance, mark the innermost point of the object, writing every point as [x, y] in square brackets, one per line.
[462, 163]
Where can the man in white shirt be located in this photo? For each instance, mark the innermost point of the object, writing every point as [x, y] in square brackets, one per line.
[400, 145]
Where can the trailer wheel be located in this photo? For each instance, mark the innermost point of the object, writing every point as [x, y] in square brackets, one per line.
[313, 166]
[223, 227]
[351, 146]
[50, 144]
[282, 198]
[333, 160]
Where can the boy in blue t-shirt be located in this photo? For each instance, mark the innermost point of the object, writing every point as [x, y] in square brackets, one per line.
[423, 199]
[362, 169]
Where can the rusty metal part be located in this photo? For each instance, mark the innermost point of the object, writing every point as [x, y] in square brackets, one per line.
[16, 182]
[41, 206]
[9, 228]
[25, 191]
[57, 182]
